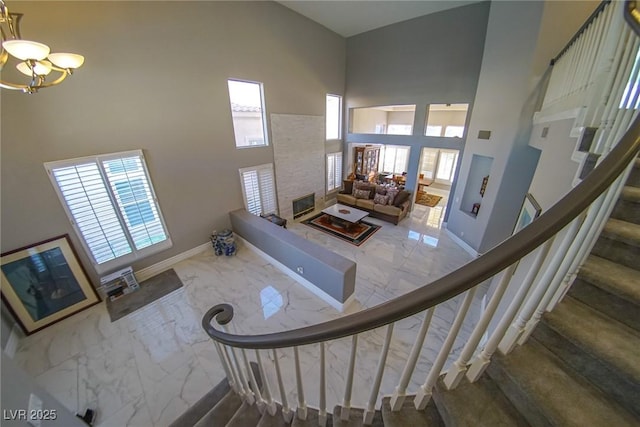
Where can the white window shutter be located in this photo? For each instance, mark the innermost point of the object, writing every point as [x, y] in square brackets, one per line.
[268, 190]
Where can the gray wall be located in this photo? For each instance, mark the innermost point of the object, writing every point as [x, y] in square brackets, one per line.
[155, 78]
[430, 59]
[516, 55]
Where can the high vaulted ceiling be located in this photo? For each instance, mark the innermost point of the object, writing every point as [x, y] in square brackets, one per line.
[350, 17]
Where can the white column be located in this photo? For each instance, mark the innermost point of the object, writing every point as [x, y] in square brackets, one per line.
[271, 405]
[346, 402]
[302, 405]
[517, 328]
[459, 367]
[322, 410]
[424, 393]
[397, 399]
[286, 411]
[481, 361]
[373, 397]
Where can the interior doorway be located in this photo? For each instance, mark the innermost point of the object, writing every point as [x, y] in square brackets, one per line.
[436, 173]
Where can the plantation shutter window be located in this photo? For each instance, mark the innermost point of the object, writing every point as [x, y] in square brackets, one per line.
[334, 171]
[111, 204]
[259, 189]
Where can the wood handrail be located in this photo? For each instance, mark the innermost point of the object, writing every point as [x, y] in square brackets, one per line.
[466, 277]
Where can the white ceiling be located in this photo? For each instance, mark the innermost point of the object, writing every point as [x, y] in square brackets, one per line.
[351, 17]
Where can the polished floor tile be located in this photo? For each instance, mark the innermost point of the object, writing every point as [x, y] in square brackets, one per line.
[150, 366]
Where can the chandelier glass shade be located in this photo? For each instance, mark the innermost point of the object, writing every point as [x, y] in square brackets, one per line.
[34, 59]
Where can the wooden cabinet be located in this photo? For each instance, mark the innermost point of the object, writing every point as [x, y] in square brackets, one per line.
[365, 160]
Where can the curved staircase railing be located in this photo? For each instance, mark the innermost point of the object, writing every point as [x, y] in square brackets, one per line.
[559, 241]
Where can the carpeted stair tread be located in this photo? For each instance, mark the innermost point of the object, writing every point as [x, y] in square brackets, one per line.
[623, 231]
[595, 333]
[612, 277]
[479, 404]
[275, 420]
[204, 405]
[630, 194]
[222, 412]
[356, 418]
[246, 416]
[546, 394]
[311, 421]
[408, 415]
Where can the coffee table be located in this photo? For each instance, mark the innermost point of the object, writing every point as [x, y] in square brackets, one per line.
[344, 216]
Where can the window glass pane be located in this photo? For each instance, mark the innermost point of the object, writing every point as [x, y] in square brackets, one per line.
[395, 158]
[387, 119]
[451, 117]
[247, 113]
[334, 114]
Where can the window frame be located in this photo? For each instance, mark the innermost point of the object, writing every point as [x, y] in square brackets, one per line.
[257, 168]
[98, 160]
[336, 176]
[395, 148]
[265, 129]
[339, 118]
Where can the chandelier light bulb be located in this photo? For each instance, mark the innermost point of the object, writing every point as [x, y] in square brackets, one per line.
[25, 49]
[41, 68]
[66, 60]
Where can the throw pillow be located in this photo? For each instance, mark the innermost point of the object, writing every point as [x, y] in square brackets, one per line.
[392, 192]
[381, 190]
[380, 199]
[360, 194]
[402, 197]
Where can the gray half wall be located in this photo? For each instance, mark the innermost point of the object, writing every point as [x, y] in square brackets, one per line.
[330, 272]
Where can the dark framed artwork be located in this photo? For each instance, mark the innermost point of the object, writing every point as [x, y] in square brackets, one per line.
[530, 210]
[44, 283]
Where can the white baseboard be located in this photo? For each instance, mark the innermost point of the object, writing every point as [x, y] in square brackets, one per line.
[13, 341]
[304, 282]
[166, 264]
[464, 245]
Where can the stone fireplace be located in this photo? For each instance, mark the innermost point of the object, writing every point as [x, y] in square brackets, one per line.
[303, 205]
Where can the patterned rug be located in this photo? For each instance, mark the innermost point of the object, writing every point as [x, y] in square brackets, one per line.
[356, 234]
[427, 199]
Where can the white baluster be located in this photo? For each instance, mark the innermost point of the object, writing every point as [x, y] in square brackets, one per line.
[246, 390]
[252, 381]
[322, 411]
[225, 365]
[397, 399]
[515, 330]
[459, 367]
[481, 362]
[271, 405]
[373, 397]
[424, 392]
[286, 411]
[346, 402]
[302, 405]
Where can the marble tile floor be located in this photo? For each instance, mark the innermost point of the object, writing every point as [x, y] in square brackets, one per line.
[150, 366]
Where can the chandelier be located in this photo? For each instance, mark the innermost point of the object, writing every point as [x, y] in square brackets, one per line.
[35, 59]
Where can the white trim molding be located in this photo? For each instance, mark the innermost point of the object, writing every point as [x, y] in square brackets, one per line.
[166, 264]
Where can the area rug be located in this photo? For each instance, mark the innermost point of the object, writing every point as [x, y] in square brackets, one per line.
[356, 234]
[150, 290]
[427, 199]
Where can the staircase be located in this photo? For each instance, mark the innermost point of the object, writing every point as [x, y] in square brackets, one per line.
[581, 366]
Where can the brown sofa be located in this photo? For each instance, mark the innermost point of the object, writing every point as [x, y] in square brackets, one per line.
[393, 212]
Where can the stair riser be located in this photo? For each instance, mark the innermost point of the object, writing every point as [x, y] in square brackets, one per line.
[627, 211]
[617, 308]
[581, 364]
[518, 398]
[617, 251]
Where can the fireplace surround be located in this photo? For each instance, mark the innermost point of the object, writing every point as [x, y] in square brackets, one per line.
[303, 205]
